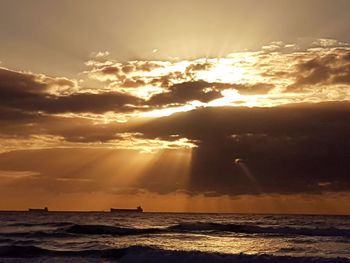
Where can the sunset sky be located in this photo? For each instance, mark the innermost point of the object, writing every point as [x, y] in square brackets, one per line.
[196, 105]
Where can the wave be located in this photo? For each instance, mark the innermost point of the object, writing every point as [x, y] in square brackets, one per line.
[53, 224]
[253, 229]
[79, 229]
[109, 230]
[153, 254]
[208, 227]
[5, 240]
[38, 234]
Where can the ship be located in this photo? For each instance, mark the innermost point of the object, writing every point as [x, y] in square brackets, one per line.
[122, 210]
[38, 209]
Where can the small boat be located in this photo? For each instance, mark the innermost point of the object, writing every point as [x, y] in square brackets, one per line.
[38, 209]
[121, 210]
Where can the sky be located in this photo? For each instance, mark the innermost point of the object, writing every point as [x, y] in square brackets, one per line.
[195, 106]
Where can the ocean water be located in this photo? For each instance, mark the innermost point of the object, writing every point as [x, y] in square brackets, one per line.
[172, 237]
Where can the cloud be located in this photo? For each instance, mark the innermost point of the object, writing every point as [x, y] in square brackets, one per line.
[186, 92]
[327, 42]
[33, 93]
[37, 93]
[332, 68]
[295, 148]
[289, 149]
[106, 70]
[254, 89]
[318, 72]
[88, 102]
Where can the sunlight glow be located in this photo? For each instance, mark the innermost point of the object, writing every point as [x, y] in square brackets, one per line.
[131, 141]
[222, 71]
[167, 111]
[264, 78]
[145, 92]
[229, 96]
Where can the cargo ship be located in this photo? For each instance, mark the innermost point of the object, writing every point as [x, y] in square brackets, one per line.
[121, 210]
[38, 209]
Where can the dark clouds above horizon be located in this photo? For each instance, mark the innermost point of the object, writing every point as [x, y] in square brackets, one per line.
[290, 149]
[283, 110]
[321, 73]
[178, 104]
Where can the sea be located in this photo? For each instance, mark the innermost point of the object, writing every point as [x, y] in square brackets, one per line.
[172, 237]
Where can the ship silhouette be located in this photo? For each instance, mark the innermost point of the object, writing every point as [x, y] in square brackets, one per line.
[123, 210]
[38, 209]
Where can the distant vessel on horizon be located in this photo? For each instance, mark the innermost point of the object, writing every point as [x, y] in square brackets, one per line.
[38, 209]
[122, 210]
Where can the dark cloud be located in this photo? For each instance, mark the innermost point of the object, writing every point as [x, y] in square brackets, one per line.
[95, 103]
[25, 92]
[133, 83]
[325, 69]
[17, 125]
[19, 84]
[203, 91]
[185, 92]
[20, 124]
[167, 80]
[128, 68]
[287, 149]
[252, 89]
[191, 70]
[301, 148]
[147, 65]
[15, 115]
[110, 70]
[27, 107]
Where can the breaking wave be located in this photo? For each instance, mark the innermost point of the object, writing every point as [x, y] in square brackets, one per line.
[109, 230]
[153, 254]
[53, 224]
[253, 229]
[210, 227]
[78, 229]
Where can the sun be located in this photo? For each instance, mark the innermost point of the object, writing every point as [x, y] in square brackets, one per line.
[222, 71]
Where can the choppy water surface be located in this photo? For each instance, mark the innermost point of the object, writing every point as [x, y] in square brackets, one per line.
[159, 237]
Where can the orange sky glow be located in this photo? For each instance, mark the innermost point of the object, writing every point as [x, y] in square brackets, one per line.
[137, 118]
